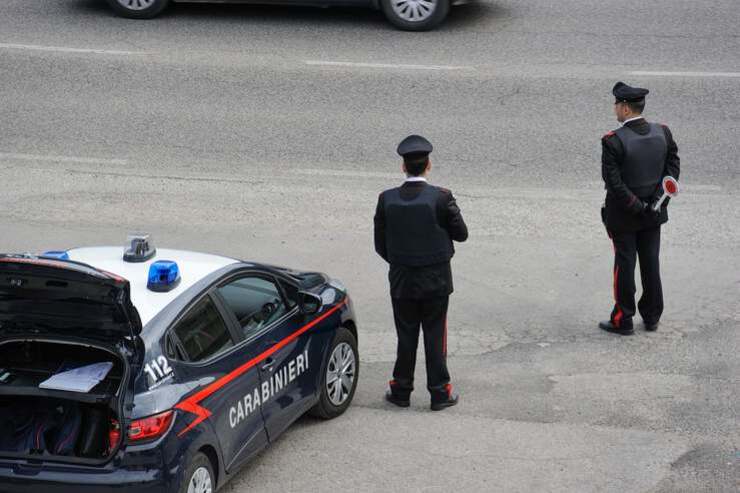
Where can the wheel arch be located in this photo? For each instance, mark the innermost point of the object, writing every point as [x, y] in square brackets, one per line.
[210, 452]
[351, 326]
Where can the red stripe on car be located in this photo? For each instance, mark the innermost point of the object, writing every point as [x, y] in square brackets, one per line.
[192, 403]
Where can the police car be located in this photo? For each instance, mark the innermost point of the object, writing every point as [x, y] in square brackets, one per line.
[410, 15]
[141, 369]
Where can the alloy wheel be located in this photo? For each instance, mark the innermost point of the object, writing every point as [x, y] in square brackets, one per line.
[200, 482]
[136, 4]
[414, 10]
[340, 374]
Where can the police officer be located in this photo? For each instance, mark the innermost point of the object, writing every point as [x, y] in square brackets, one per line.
[634, 160]
[415, 225]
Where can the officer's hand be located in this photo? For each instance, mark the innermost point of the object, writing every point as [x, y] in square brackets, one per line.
[639, 207]
[652, 213]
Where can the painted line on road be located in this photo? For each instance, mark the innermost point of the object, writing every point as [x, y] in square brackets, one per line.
[401, 66]
[685, 74]
[64, 49]
[60, 159]
[343, 173]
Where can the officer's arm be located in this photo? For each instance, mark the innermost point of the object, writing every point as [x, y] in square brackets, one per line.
[610, 172]
[455, 224]
[379, 221]
[672, 162]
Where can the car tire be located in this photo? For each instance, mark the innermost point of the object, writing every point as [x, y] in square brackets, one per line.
[415, 15]
[138, 9]
[335, 396]
[199, 470]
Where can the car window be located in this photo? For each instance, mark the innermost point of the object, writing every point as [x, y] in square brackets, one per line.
[203, 332]
[256, 302]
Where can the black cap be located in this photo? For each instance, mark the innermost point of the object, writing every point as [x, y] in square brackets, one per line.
[628, 94]
[414, 145]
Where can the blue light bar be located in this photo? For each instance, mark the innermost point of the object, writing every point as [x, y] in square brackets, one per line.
[164, 275]
[57, 254]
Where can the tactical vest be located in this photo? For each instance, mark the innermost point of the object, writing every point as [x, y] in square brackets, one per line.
[644, 159]
[414, 237]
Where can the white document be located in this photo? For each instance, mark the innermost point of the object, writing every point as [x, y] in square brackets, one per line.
[81, 379]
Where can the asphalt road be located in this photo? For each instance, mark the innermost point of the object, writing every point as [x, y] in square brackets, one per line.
[267, 132]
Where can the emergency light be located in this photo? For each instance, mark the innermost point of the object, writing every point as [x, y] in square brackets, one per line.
[164, 275]
[57, 254]
[139, 248]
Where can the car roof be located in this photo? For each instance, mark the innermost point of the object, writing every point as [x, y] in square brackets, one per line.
[193, 266]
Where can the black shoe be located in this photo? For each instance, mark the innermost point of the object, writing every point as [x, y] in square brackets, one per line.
[452, 400]
[397, 400]
[610, 327]
[651, 327]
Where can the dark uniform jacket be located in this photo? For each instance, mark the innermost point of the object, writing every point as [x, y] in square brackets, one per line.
[421, 281]
[621, 212]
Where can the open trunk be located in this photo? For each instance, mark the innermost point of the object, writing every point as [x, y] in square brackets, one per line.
[50, 424]
[55, 317]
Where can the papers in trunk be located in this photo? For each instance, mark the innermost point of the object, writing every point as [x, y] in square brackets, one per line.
[81, 379]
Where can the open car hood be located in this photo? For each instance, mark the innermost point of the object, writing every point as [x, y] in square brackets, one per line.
[40, 296]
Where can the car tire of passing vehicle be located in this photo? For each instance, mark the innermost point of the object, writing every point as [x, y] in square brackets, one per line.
[415, 15]
[138, 9]
[198, 476]
[339, 380]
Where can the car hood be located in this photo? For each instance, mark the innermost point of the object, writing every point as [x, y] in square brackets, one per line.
[58, 298]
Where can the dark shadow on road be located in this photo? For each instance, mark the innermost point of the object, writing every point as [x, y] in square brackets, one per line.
[474, 15]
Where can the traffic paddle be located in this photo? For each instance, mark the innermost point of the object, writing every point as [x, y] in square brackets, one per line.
[670, 189]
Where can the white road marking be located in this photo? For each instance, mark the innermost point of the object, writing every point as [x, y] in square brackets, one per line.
[402, 66]
[346, 173]
[64, 49]
[9, 156]
[685, 74]
[701, 188]
[685, 187]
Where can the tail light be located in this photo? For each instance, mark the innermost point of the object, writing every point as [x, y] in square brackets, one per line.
[114, 435]
[151, 427]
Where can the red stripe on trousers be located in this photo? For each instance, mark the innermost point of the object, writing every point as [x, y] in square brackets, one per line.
[617, 316]
[444, 338]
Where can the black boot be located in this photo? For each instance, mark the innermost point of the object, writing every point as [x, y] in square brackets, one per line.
[608, 326]
[651, 327]
[397, 400]
[451, 400]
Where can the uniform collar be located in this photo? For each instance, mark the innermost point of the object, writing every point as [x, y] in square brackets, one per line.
[633, 119]
[413, 179]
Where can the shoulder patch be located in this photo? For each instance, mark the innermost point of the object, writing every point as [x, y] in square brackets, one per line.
[444, 190]
[609, 134]
[663, 125]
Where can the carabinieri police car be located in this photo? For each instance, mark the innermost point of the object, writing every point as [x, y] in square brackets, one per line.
[140, 370]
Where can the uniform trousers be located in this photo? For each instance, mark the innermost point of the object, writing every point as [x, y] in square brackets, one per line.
[628, 247]
[431, 315]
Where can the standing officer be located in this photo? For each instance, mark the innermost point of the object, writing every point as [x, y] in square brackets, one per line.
[634, 160]
[414, 228]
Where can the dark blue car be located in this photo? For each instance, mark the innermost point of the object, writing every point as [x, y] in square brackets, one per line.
[140, 370]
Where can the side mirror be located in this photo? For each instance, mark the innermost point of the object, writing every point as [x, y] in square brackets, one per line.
[309, 303]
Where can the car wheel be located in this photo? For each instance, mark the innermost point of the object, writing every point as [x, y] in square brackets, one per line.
[416, 15]
[198, 477]
[339, 381]
[138, 9]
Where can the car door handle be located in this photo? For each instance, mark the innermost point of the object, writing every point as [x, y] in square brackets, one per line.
[268, 364]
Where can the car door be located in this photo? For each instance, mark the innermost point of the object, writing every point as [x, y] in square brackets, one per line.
[215, 353]
[268, 316]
